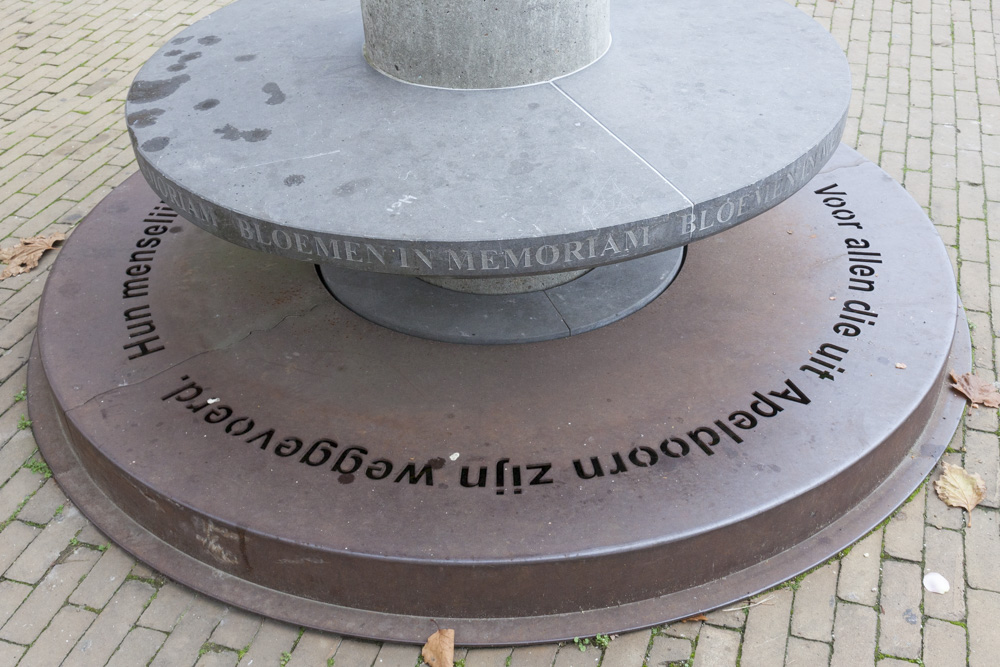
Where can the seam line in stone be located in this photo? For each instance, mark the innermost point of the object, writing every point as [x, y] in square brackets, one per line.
[625, 145]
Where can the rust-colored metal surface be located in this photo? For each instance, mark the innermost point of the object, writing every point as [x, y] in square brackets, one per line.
[218, 414]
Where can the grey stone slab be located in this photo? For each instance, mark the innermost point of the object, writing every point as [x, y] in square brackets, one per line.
[534, 656]
[900, 597]
[854, 636]
[668, 649]
[236, 629]
[717, 647]
[403, 168]
[599, 297]
[859, 571]
[102, 581]
[403, 655]
[272, 640]
[984, 640]
[766, 632]
[945, 555]
[805, 653]
[138, 648]
[111, 626]
[904, 535]
[60, 636]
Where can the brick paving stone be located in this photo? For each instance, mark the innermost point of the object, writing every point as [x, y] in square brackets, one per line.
[236, 629]
[984, 640]
[138, 648]
[938, 514]
[12, 594]
[111, 627]
[570, 656]
[859, 571]
[273, 639]
[314, 648]
[171, 601]
[10, 653]
[945, 555]
[91, 535]
[904, 534]
[533, 656]
[668, 649]
[805, 653]
[899, 602]
[944, 644]
[49, 595]
[218, 659]
[982, 456]
[982, 544]
[17, 490]
[13, 540]
[56, 641]
[626, 649]
[483, 657]
[854, 636]
[815, 602]
[191, 631]
[893, 662]
[717, 647]
[766, 630]
[102, 582]
[36, 560]
[403, 655]
[731, 616]
[46, 501]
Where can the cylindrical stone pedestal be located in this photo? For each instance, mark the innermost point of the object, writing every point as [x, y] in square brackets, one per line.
[477, 44]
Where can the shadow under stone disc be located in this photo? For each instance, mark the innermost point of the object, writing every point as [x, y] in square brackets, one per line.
[218, 414]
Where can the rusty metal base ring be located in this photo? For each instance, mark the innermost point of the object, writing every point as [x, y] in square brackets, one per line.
[216, 413]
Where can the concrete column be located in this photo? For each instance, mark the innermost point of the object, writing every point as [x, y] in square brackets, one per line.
[483, 43]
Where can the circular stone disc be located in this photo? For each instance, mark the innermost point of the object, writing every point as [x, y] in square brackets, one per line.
[222, 417]
[264, 125]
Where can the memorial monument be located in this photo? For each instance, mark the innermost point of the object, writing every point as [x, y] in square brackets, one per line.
[531, 392]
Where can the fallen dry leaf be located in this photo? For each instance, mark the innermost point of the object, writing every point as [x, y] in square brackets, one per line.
[439, 651]
[695, 618]
[957, 488]
[25, 255]
[976, 389]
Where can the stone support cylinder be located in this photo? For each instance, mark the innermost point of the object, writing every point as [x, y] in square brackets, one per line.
[474, 44]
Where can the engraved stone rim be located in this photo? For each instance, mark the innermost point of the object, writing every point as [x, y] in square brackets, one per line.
[666, 215]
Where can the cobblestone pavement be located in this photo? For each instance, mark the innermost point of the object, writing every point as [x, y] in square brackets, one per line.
[926, 107]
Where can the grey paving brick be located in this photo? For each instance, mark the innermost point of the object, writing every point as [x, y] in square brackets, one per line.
[56, 641]
[35, 561]
[805, 653]
[10, 653]
[272, 640]
[314, 648]
[171, 601]
[944, 644]
[402, 655]
[531, 656]
[111, 627]
[218, 659]
[982, 456]
[984, 640]
[717, 647]
[236, 629]
[12, 594]
[191, 631]
[46, 501]
[904, 534]
[944, 554]
[627, 649]
[982, 544]
[766, 630]
[570, 656]
[13, 540]
[668, 649]
[859, 571]
[899, 600]
[138, 648]
[48, 597]
[102, 581]
[476, 657]
[854, 636]
[730, 616]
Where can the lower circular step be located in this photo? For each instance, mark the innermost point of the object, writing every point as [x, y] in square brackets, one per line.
[219, 415]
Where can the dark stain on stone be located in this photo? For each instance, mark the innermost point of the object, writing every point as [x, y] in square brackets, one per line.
[436, 463]
[346, 478]
[294, 179]
[246, 58]
[177, 67]
[194, 55]
[534, 105]
[180, 40]
[143, 118]
[231, 133]
[174, 52]
[155, 144]
[210, 40]
[143, 92]
[277, 97]
[205, 105]
[176, 229]
[349, 188]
